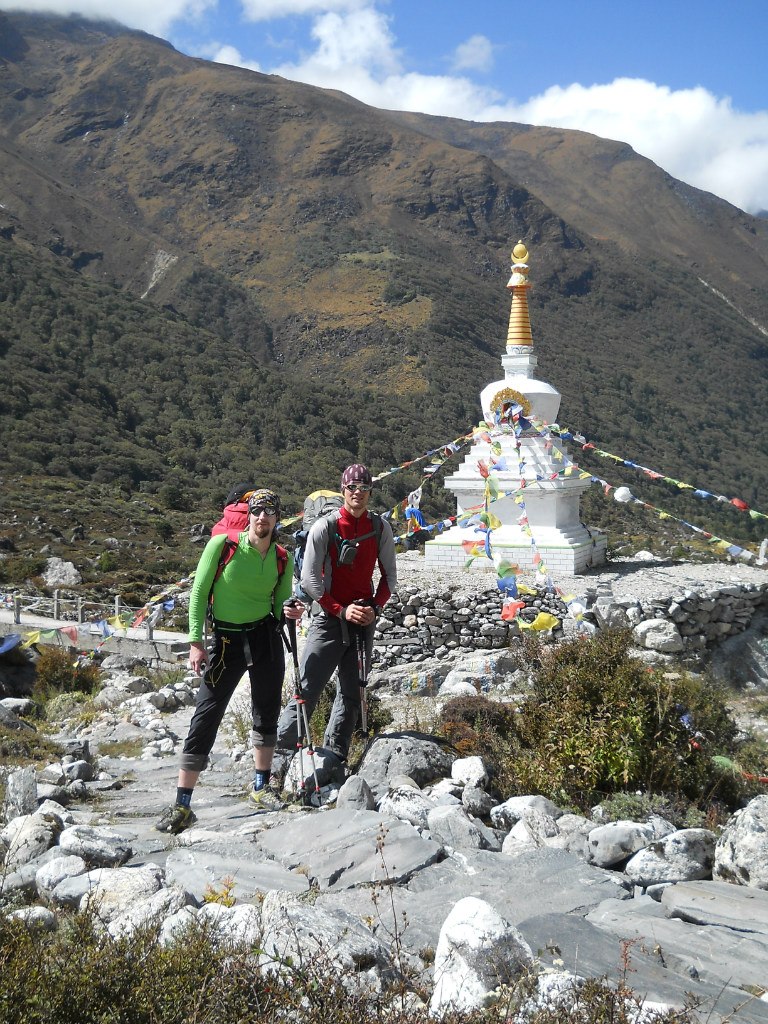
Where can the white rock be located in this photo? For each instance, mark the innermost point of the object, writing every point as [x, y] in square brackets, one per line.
[151, 910]
[407, 804]
[476, 952]
[470, 770]
[511, 811]
[682, 856]
[658, 635]
[95, 844]
[741, 854]
[173, 927]
[114, 889]
[28, 837]
[49, 875]
[612, 843]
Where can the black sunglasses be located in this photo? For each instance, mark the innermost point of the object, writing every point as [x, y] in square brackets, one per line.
[364, 488]
[268, 510]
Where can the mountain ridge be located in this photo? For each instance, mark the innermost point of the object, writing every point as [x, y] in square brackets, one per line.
[353, 260]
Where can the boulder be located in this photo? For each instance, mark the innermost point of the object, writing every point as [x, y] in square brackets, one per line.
[407, 804]
[511, 811]
[326, 940]
[113, 889]
[741, 853]
[453, 827]
[356, 795]
[608, 845]
[679, 857]
[420, 757]
[96, 844]
[477, 951]
[58, 573]
[27, 838]
[658, 635]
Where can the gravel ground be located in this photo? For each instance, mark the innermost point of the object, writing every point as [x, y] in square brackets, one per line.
[627, 577]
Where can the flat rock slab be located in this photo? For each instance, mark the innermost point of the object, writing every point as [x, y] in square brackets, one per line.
[718, 955]
[548, 880]
[208, 863]
[719, 903]
[583, 948]
[338, 848]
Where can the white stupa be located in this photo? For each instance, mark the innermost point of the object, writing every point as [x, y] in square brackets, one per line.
[540, 517]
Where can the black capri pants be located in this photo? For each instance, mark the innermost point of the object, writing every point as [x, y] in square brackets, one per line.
[262, 645]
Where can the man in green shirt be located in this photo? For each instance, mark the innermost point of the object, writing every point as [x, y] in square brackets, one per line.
[248, 601]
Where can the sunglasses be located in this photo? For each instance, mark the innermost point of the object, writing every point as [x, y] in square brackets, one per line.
[363, 488]
[267, 510]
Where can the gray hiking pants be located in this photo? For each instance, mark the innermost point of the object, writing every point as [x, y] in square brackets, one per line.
[330, 644]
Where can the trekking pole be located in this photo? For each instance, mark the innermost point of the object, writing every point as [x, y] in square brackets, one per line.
[363, 677]
[302, 720]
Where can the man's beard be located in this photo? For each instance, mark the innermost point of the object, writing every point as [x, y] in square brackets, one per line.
[262, 529]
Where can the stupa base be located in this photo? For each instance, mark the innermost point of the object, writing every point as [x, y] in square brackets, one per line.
[569, 556]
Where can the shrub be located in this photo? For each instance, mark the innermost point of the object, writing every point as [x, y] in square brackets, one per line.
[476, 725]
[19, 747]
[80, 975]
[598, 721]
[107, 561]
[59, 670]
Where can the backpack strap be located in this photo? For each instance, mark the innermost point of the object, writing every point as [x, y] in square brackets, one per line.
[281, 554]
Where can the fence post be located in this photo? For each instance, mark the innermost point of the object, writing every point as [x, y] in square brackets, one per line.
[118, 605]
[80, 612]
[56, 604]
[16, 609]
[149, 629]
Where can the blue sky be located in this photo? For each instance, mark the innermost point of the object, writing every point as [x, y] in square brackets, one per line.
[684, 83]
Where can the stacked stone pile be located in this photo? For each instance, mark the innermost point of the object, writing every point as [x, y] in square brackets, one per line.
[421, 623]
[686, 620]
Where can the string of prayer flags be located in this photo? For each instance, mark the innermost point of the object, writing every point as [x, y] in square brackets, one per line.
[652, 474]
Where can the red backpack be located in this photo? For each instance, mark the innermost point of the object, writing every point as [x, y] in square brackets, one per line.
[233, 521]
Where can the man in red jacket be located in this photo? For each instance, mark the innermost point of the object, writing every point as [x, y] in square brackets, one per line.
[341, 554]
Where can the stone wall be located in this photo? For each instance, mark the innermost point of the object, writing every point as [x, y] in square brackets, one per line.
[417, 624]
[420, 623]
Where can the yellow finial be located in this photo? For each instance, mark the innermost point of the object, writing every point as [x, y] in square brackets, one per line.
[519, 253]
[519, 332]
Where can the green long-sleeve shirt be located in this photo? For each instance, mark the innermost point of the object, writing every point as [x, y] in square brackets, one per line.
[247, 590]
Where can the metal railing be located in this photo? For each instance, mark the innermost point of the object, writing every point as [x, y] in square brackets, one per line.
[62, 609]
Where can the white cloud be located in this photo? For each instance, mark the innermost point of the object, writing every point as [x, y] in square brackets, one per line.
[476, 54]
[148, 15]
[354, 46]
[692, 134]
[268, 10]
[221, 53]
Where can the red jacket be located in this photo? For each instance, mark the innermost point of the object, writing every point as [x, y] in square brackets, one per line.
[335, 586]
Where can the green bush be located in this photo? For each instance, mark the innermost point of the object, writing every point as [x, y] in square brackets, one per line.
[59, 670]
[597, 722]
[107, 561]
[16, 570]
[20, 747]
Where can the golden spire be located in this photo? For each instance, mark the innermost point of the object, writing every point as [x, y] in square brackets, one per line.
[519, 332]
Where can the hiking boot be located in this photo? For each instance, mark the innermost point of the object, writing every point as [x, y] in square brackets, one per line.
[267, 799]
[175, 819]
